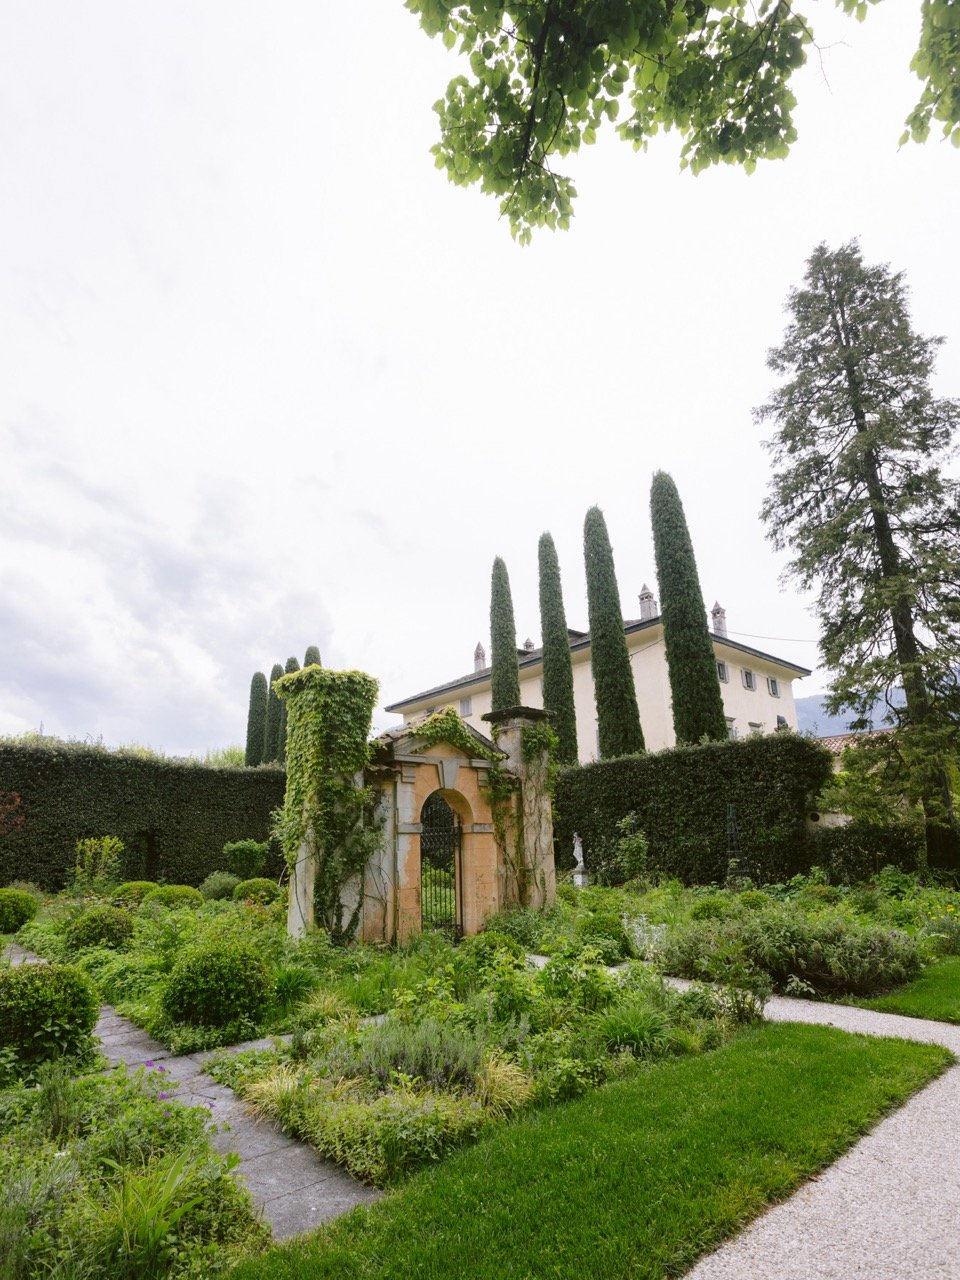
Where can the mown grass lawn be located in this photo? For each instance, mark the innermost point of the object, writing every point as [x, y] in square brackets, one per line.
[636, 1179]
[935, 994]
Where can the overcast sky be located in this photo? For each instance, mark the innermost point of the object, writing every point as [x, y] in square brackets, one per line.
[268, 380]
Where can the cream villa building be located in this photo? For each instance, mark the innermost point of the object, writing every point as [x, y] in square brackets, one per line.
[757, 687]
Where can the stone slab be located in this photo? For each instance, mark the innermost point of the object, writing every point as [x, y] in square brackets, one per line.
[297, 1212]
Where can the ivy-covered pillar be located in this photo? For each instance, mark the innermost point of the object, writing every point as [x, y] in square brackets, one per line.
[525, 736]
[326, 823]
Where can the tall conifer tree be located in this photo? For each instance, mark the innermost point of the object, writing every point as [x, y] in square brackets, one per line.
[618, 718]
[557, 666]
[291, 666]
[271, 737]
[504, 663]
[694, 684]
[256, 720]
[312, 657]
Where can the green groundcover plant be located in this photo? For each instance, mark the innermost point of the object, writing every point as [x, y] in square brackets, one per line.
[105, 1177]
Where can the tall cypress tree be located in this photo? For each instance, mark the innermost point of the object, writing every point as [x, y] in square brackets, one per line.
[618, 718]
[256, 720]
[291, 666]
[557, 665]
[504, 664]
[312, 657]
[271, 737]
[694, 683]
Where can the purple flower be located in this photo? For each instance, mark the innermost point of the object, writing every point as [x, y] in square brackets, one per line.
[168, 1113]
[148, 1063]
[162, 1095]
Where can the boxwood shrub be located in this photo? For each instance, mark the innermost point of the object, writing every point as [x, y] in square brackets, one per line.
[100, 927]
[16, 908]
[46, 1010]
[680, 798]
[173, 895]
[133, 892]
[257, 890]
[216, 983]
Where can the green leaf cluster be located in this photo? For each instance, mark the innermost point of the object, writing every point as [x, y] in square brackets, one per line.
[447, 725]
[542, 77]
[618, 718]
[694, 684]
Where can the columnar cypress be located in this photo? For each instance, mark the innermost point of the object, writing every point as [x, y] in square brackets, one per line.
[291, 666]
[618, 718]
[694, 683]
[256, 720]
[557, 666]
[271, 737]
[312, 657]
[504, 664]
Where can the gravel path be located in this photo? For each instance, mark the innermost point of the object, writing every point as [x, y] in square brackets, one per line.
[887, 1210]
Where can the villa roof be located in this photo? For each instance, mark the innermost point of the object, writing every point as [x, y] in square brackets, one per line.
[579, 641]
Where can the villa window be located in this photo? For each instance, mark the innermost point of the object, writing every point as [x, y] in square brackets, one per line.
[749, 679]
[731, 727]
[723, 672]
[755, 727]
[466, 706]
[774, 686]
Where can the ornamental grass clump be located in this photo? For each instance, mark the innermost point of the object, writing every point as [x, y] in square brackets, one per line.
[219, 885]
[217, 983]
[16, 908]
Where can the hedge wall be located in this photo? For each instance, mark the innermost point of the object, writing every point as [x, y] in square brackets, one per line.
[174, 818]
[680, 797]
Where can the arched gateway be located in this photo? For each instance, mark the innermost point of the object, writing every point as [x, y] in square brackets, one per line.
[441, 866]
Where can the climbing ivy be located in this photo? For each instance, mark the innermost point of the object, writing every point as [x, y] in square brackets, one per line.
[447, 726]
[326, 805]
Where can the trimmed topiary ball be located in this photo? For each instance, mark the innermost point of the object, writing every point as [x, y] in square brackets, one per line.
[133, 892]
[216, 983]
[173, 895]
[219, 885]
[16, 908]
[46, 1010]
[257, 890]
[99, 927]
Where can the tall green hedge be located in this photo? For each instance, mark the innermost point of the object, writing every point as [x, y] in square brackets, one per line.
[680, 799]
[271, 738]
[174, 818]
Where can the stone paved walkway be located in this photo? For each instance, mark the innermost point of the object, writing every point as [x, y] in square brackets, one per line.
[295, 1189]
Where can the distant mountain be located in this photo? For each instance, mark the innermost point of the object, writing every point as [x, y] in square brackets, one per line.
[813, 718]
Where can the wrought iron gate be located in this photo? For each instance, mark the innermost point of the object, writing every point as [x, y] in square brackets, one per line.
[441, 843]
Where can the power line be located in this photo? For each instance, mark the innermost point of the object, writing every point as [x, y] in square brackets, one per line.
[780, 639]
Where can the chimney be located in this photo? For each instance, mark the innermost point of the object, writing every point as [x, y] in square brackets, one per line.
[479, 657]
[648, 606]
[719, 618]
[528, 644]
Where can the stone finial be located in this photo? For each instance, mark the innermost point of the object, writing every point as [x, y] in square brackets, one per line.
[479, 657]
[528, 644]
[718, 617]
[648, 605]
